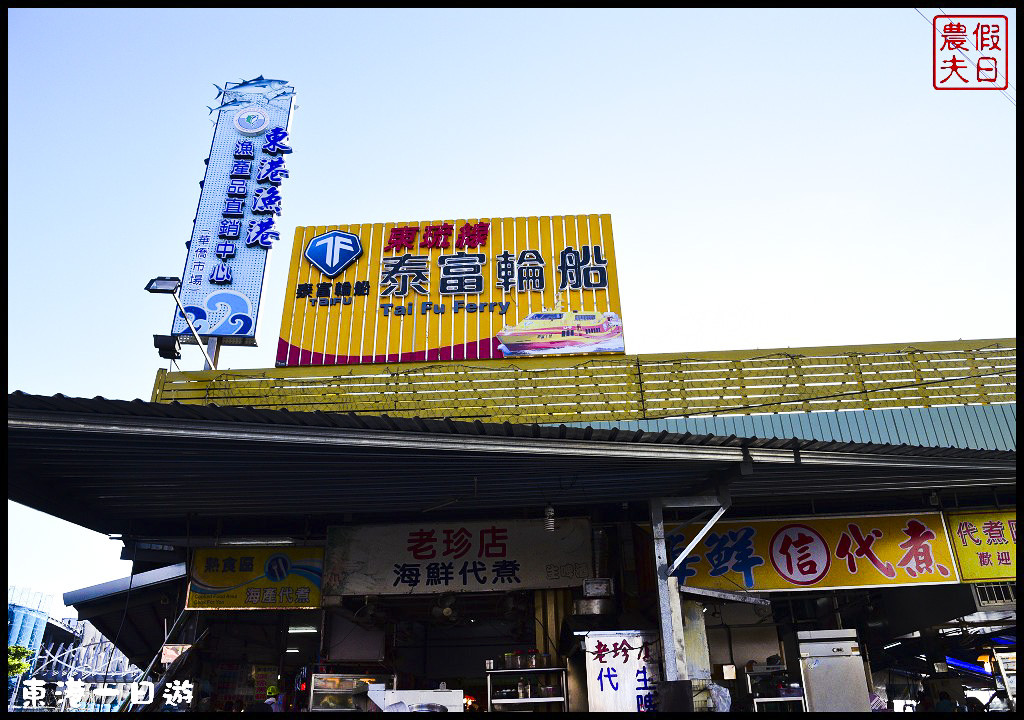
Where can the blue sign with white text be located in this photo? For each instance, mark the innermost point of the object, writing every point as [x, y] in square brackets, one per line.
[240, 200]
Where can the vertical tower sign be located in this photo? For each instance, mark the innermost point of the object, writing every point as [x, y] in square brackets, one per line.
[235, 228]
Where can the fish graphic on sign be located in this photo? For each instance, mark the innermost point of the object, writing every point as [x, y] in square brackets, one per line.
[332, 252]
[225, 106]
[256, 85]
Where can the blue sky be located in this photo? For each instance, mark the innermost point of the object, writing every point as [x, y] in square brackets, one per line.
[775, 178]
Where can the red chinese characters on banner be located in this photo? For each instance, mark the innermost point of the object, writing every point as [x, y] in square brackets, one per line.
[918, 558]
[857, 544]
[437, 236]
[402, 238]
[454, 543]
[800, 554]
[473, 235]
[621, 649]
[970, 52]
[421, 544]
[492, 542]
[457, 542]
[470, 235]
[994, 532]
[967, 531]
[1002, 558]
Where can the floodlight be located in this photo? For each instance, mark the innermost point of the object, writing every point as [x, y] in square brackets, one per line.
[168, 346]
[163, 285]
[169, 286]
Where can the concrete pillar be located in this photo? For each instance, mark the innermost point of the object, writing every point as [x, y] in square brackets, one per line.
[698, 656]
[675, 604]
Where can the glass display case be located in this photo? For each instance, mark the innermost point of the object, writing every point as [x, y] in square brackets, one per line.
[344, 692]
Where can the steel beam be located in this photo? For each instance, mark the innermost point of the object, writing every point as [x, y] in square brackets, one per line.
[725, 595]
[669, 614]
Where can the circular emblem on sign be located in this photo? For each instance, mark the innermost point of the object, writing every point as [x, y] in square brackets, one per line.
[251, 120]
[800, 554]
[277, 568]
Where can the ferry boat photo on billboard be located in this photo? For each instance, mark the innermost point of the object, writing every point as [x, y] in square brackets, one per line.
[563, 331]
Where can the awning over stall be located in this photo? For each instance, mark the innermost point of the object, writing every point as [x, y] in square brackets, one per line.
[133, 612]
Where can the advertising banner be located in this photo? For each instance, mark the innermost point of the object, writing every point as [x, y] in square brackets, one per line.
[170, 652]
[818, 552]
[985, 544]
[451, 290]
[255, 578]
[456, 557]
[263, 676]
[240, 197]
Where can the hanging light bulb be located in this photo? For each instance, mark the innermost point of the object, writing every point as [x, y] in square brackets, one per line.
[549, 519]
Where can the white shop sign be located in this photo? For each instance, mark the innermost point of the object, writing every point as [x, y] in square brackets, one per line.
[438, 557]
[622, 670]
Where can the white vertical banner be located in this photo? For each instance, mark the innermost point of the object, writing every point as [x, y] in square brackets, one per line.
[622, 670]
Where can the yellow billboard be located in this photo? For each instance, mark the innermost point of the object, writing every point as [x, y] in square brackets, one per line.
[818, 552]
[246, 577]
[985, 543]
[437, 290]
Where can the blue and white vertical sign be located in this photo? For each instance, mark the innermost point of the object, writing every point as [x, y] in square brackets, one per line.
[239, 207]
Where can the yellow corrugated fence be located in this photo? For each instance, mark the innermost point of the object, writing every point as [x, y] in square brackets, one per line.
[629, 387]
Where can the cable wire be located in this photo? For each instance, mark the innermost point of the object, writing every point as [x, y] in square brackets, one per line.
[124, 613]
[888, 388]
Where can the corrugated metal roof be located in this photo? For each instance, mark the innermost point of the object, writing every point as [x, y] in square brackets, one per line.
[155, 468]
[793, 432]
[135, 582]
[976, 427]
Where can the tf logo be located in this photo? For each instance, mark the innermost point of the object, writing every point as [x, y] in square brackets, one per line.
[332, 252]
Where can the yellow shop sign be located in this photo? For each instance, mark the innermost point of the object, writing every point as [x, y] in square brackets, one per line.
[255, 578]
[819, 552]
[985, 544]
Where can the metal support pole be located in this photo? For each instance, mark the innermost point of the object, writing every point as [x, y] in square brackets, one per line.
[212, 351]
[668, 640]
[697, 538]
[669, 604]
[209, 363]
[145, 673]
